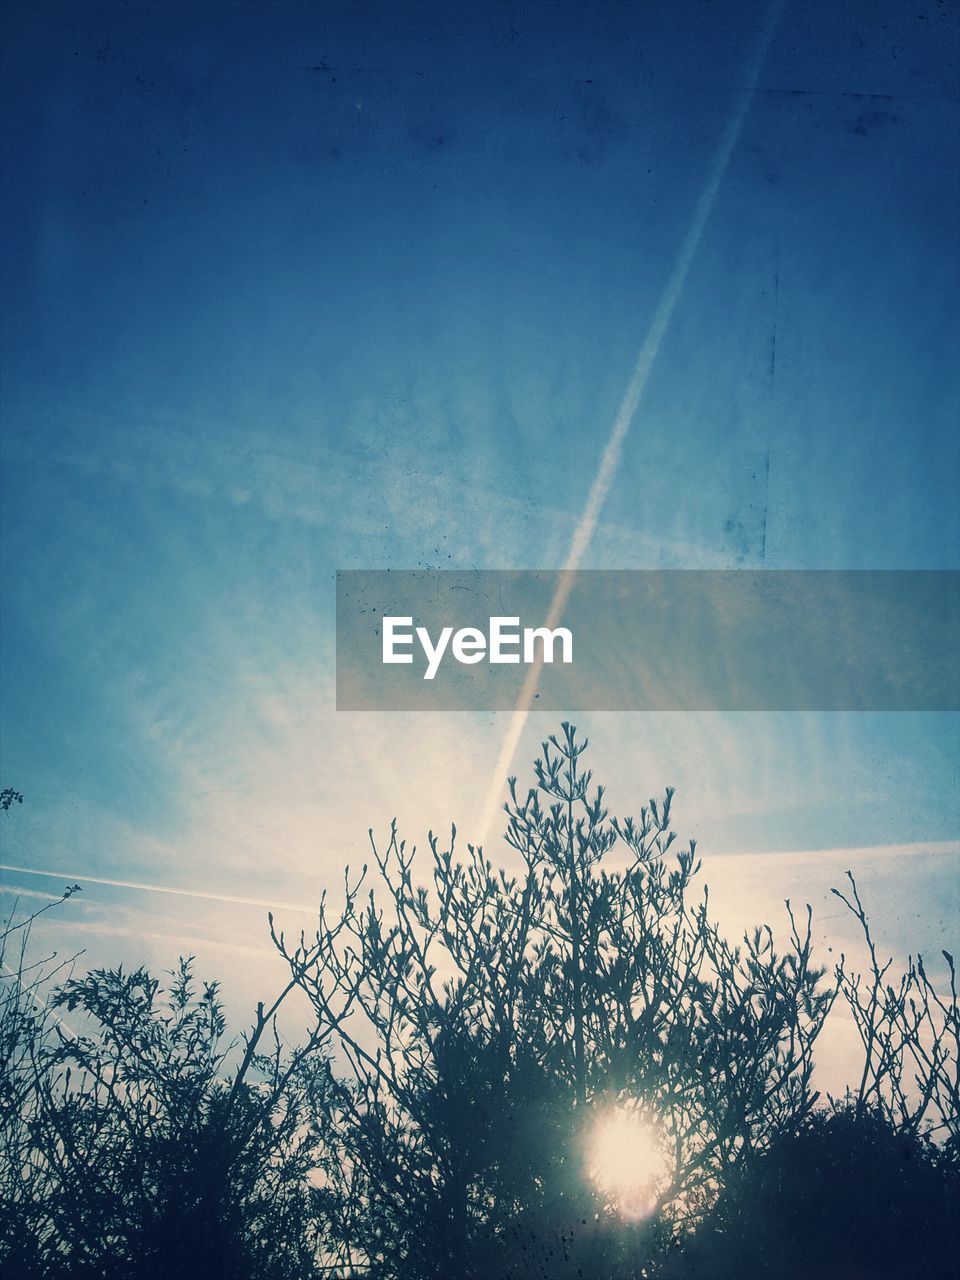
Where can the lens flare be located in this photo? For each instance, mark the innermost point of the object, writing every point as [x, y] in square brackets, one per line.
[626, 1160]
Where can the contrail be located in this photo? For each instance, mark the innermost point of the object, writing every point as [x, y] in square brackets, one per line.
[849, 854]
[160, 888]
[610, 459]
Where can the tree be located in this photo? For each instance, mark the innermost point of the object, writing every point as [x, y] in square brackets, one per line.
[8, 798]
[485, 1022]
[26, 1023]
[551, 1069]
[148, 1154]
[910, 1033]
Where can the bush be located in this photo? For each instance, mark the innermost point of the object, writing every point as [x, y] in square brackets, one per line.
[145, 1155]
[846, 1196]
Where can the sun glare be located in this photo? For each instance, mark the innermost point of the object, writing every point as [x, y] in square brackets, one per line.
[626, 1160]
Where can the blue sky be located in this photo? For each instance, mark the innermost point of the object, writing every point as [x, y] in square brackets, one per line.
[291, 288]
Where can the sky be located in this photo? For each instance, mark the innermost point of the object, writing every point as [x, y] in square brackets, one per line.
[292, 288]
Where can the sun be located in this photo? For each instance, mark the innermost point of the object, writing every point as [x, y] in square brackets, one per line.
[626, 1160]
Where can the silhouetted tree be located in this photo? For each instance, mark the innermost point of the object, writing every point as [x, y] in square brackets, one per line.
[25, 1029]
[8, 798]
[910, 1033]
[475, 1029]
[148, 1155]
[486, 1019]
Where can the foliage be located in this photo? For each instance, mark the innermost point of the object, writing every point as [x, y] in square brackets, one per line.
[25, 1024]
[9, 797]
[485, 1020]
[474, 1028]
[142, 1154]
[846, 1195]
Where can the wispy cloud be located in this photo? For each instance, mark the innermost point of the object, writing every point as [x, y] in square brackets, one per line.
[387, 518]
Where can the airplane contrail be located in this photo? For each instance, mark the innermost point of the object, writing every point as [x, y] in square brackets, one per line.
[610, 458]
[849, 853]
[159, 888]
